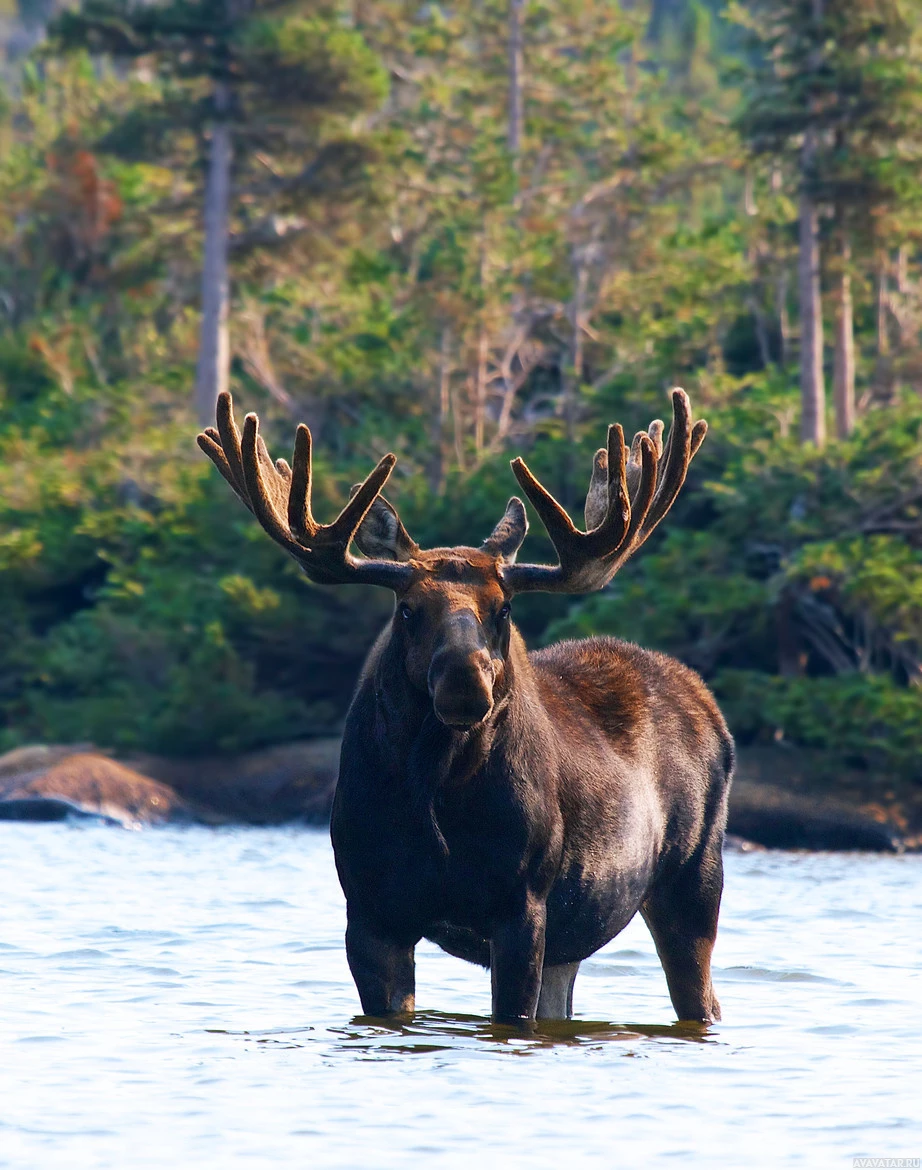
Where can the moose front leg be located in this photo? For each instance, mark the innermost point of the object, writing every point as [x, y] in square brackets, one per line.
[516, 960]
[384, 971]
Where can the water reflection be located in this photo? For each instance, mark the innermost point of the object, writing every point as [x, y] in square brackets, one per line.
[432, 1030]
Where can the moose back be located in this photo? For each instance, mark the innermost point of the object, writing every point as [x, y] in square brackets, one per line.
[517, 809]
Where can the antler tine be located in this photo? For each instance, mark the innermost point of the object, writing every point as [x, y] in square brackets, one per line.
[608, 496]
[279, 496]
[644, 490]
[230, 439]
[560, 527]
[582, 556]
[618, 513]
[209, 442]
[612, 530]
[264, 507]
[346, 524]
[634, 463]
[653, 435]
[300, 520]
[597, 497]
[626, 501]
[676, 458]
[655, 431]
[699, 431]
[275, 482]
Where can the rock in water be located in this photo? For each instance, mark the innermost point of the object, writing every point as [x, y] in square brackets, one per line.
[86, 784]
[49, 808]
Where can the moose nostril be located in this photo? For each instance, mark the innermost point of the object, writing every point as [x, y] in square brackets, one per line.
[461, 686]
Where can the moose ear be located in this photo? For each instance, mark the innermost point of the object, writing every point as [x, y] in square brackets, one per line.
[505, 539]
[381, 536]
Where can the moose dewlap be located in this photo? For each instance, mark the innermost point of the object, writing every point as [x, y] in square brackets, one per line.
[517, 809]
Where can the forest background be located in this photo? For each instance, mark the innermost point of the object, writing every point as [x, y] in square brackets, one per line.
[461, 233]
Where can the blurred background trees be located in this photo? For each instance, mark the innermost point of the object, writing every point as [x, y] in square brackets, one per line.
[460, 233]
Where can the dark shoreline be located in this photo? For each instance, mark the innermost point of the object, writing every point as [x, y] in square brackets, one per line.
[780, 800]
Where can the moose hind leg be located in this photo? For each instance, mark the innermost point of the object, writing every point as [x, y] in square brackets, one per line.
[384, 971]
[681, 913]
[555, 1001]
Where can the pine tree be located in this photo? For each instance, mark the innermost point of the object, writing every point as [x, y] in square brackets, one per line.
[782, 117]
[259, 79]
[838, 94]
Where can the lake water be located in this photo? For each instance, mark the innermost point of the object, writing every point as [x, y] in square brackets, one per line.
[180, 998]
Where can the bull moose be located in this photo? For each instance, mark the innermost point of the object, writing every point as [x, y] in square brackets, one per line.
[515, 808]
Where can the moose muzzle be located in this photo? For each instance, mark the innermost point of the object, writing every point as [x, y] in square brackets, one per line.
[461, 673]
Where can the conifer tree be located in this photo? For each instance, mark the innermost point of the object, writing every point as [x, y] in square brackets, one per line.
[783, 117]
[260, 79]
[838, 93]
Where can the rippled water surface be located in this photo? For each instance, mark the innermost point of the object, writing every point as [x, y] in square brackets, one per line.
[180, 998]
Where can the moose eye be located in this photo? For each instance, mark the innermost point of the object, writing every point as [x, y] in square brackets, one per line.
[405, 611]
[504, 612]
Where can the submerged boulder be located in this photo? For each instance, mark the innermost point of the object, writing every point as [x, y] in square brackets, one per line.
[50, 808]
[288, 782]
[83, 785]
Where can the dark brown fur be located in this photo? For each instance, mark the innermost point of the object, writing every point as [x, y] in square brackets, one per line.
[517, 809]
[595, 788]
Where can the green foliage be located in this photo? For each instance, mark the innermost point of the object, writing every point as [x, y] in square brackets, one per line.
[863, 721]
[408, 276]
[305, 63]
[793, 581]
[846, 71]
[144, 614]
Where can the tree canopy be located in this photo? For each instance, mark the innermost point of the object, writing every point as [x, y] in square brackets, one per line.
[462, 234]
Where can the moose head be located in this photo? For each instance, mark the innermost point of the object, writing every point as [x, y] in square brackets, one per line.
[452, 620]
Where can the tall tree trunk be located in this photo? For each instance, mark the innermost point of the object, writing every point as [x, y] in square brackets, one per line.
[516, 117]
[572, 381]
[214, 345]
[480, 392]
[753, 259]
[483, 352]
[883, 306]
[784, 322]
[781, 289]
[843, 377]
[903, 318]
[758, 316]
[812, 386]
[457, 418]
[882, 378]
[902, 269]
[516, 66]
[440, 415]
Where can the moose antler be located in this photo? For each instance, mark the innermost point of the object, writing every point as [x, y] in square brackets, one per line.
[627, 499]
[279, 496]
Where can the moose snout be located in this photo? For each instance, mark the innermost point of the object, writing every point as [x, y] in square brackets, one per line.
[461, 687]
